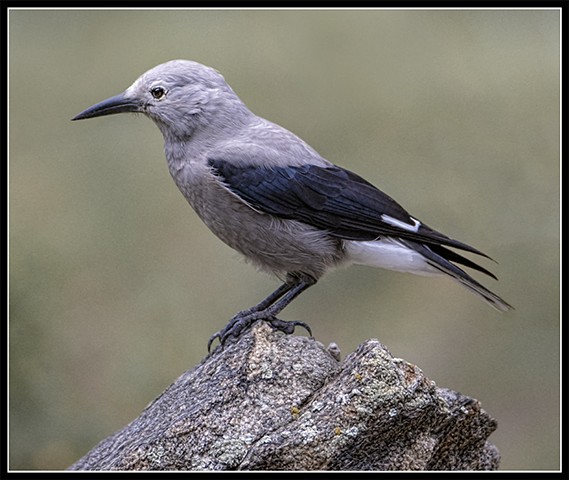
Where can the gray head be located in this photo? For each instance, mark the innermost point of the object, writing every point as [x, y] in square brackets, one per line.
[179, 96]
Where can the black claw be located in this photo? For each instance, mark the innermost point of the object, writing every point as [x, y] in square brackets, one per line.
[210, 341]
[233, 329]
[288, 326]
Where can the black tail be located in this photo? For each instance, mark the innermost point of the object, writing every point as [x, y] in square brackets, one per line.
[441, 257]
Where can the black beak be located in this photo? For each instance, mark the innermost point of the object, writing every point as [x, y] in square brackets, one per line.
[117, 104]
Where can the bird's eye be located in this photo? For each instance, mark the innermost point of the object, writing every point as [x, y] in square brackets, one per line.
[158, 92]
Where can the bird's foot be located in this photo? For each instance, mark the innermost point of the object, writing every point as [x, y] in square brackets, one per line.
[244, 320]
[236, 325]
[288, 326]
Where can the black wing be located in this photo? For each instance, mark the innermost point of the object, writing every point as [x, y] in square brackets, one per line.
[330, 198]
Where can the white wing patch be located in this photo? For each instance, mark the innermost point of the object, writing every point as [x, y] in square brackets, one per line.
[399, 224]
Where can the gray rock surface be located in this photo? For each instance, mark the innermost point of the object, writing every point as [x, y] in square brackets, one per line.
[269, 401]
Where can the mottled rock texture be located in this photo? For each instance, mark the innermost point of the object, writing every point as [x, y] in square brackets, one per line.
[269, 401]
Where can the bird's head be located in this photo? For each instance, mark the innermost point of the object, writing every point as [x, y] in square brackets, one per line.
[178, 96]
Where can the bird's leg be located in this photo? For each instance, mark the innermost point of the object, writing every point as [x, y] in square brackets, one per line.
[267, 310]
[267, 302]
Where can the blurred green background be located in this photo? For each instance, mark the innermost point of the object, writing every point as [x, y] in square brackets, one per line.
[115, 285]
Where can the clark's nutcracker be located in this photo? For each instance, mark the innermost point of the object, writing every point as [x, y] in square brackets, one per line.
[273, 198]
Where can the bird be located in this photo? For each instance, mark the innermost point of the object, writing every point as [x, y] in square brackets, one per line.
[270, 196]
